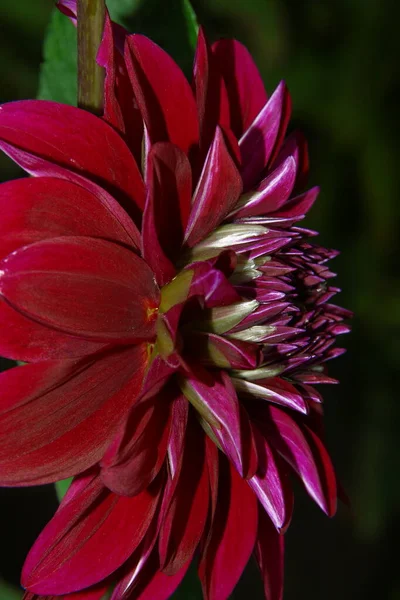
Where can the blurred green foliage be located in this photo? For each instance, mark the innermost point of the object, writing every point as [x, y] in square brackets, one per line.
[340, 60]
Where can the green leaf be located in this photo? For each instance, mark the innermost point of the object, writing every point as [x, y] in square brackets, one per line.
[58, 79]
[192, 23]
[62, 487]
[9, 592]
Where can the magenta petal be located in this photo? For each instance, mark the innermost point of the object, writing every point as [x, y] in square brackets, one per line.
[260, 139]
[180, 412]
[244, 85]
[270, 486]
[162, 92]
[270, 557]
[53, 414]
[33, 131]
[272, 193]
[219, 397]
[94, 531]
[69, 8]
[168, 201]
[158, 585]
[273, 389]
[33, 209]
[308, 458]
[299, 205]
[82, 286]
[232, 537]
[211, 285]
[295, 146]
[217, 192]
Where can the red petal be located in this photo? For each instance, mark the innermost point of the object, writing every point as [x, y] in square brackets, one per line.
[298, 206]
[270, 557]
[58, 417]
[34, 209]
[94, 531]
[132, 461]
[295, 146]
[263, 135]
[162, 92]
[211, 95]
[23, 339]
[217, 192]
[245, 87]
[65, 136]
[82, 286]
[120, 108]
[167, 208]
[157, 585]
[184, 522]
[232, 538]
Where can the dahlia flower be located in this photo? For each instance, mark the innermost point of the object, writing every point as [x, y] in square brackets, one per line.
[174, 318]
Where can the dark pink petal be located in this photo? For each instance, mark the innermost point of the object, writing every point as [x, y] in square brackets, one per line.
[163, 94]
[295, 146]
[218, 395]
[211, 95]
[271, 486]
[185, 519]
[94, 531]
[217, 192]
[58, 417]
[120, 107]
[212, 456]
[270, 557]
[133, 460]
[273, 389]
[34, 209]
[33, 132]
[232, 537]
[271, 194]
[300, 205]
[245, 87]
[180, 412]
[69, 8]
[212, 285]
[156, 585]
[220, 351]
[306, 455]
[82, 286]
[168, 201]
[260, 139]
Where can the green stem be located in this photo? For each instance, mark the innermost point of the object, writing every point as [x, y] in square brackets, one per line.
[91, 14]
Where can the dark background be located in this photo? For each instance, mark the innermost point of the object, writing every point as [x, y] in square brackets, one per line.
[340, 60]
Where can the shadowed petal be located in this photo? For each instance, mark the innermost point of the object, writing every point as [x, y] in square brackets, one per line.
[244, 85]
[232, 537]
[260, 139]
[300, 205]
[168, 202]
[72, 138]
[270, 555]
[82, 286]
[94, 531]
[217, 192]
[53, 414]
[162, 92]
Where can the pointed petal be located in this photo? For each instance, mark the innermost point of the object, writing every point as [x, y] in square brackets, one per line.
[220, 351]
[298, 206]
[53, 414]
[295, 146]
[94, 531]
[163, 94]
[245, 87]
[34, 209]
[274, 390]
[180, 412]
[232, 538]
[184, 522]
[215, 399]
[258, 142]
[33, 131]
[82, 286]
[167, 208]
[306, 455]
[120, 108]
[217, 192]
[271, 194]
[270, 557]
[158, 585]
[132, 461]
[210, 91]
[271, 485]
